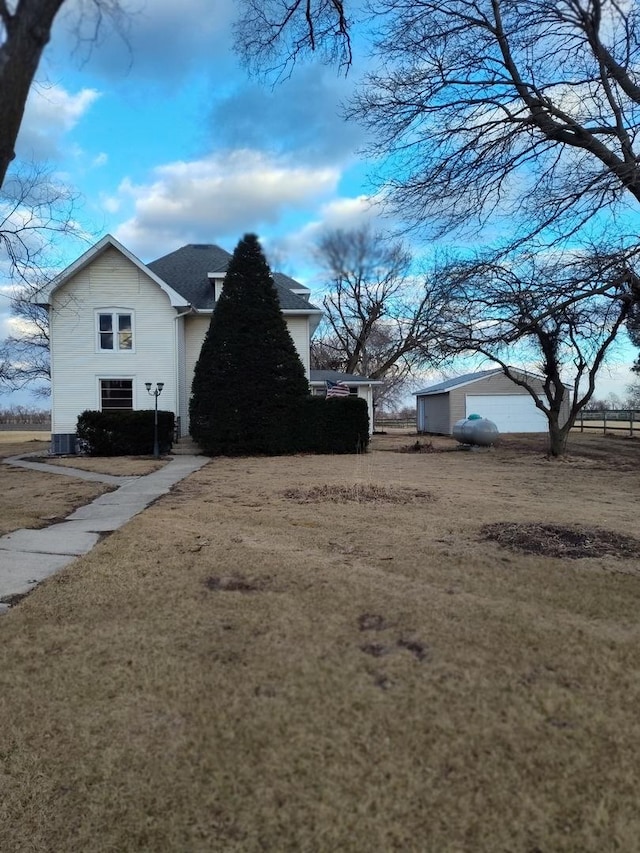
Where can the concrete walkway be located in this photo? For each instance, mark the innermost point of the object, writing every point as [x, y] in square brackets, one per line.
[29, 556]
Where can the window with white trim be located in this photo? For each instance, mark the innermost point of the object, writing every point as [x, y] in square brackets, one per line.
[115, 331]
[116, 395]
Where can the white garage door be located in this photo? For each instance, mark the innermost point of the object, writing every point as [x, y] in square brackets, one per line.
[509, 412]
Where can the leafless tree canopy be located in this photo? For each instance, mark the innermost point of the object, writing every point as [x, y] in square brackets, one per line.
[273, 34]
[558, 314]
[381, 320]
[527, 107]
[26, 351]
[34, 208]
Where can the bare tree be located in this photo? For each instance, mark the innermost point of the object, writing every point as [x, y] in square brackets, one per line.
[274, 34]
[487, 105]
[559, 314]
[380, 320]
[6, 380]
[27, 349]
[633, 327]
[35, 208]
[25, 30]
[632, 400]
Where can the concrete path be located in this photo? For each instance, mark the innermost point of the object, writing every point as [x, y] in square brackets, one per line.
[29, 556]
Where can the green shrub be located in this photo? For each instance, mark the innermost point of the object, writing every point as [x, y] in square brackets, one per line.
[337, 425]
[125, 433]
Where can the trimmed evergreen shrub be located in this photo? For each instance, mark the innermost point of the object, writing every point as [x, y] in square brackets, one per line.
[249, 382]
[125, 433]
[337, 425]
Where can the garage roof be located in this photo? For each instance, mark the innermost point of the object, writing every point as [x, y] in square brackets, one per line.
[466, 379]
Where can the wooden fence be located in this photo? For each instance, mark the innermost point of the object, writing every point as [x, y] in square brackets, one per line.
[612, 420]
[382, 424]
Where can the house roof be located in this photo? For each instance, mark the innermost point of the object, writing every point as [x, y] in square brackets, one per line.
[187, 271]
[456, 382]
[321, 376]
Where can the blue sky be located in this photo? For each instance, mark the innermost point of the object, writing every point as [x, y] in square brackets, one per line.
[168, 141]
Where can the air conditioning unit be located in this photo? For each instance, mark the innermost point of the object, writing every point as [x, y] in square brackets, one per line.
[63, 443]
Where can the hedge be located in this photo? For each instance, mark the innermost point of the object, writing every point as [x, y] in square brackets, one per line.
[125, 433]
[335, 425]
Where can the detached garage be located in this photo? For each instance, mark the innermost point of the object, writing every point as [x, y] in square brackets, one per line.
[488, 393]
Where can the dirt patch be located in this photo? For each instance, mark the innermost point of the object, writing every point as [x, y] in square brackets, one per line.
[419, 447]
[234, 583]
[376, 650]
[372, 622]
[358, 492]
[553, 540]
[417, 649]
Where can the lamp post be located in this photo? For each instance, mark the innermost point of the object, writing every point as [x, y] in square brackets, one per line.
[155, 393]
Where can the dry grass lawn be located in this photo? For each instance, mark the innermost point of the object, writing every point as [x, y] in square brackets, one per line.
[327, 654]
[33, 499]
[13, 442]
[118, 466]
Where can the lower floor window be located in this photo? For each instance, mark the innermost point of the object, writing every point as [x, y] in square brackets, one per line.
[116, 394]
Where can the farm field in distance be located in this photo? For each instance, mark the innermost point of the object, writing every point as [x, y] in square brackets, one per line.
[416, 649]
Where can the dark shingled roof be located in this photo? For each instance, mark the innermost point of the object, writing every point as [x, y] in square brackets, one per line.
[186, 269]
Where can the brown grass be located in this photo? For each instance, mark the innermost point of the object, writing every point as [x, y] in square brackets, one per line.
[33, 499]
[14, 442]
[378, 679]
[119, 466]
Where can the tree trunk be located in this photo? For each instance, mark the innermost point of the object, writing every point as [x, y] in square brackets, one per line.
[558, 436]
[27, 32]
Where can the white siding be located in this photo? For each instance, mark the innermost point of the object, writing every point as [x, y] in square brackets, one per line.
[299, 331]
[111, 281]
[365, 392]
[195, 328]
[183, 388]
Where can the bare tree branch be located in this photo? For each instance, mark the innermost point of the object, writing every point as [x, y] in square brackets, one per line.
[272, 35]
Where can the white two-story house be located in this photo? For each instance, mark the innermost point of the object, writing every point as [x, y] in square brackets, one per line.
[117, 324]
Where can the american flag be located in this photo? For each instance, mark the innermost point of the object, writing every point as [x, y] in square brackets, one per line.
[337, 389]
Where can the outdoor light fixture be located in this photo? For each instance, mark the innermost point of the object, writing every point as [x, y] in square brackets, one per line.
[155, 393]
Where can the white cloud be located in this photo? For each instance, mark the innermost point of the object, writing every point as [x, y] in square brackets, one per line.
[101, 160]
[223, 195]
[111, 204]
[50, 113]
[159, 40]
[296, 249]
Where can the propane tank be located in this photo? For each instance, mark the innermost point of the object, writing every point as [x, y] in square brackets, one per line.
[476, 430]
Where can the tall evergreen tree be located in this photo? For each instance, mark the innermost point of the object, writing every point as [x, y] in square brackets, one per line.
[249, 381]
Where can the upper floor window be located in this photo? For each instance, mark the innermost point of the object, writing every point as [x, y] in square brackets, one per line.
[115, 331]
